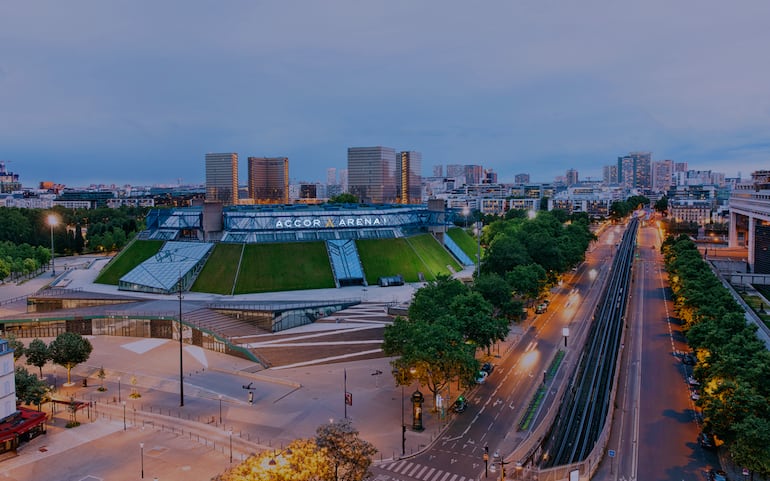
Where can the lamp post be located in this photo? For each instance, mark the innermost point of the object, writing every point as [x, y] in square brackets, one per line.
[119, 399]
[124, 415]
[52, 221]
[181, 372]
[479, 226]
[141, 449]
[53, 404]
[230, 433]
[220, 409]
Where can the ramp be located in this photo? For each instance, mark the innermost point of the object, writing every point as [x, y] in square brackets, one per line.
[346, 264]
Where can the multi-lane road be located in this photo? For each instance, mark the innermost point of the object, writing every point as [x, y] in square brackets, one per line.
[654, 428]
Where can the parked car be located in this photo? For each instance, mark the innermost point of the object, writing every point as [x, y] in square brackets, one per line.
[692, 381]
[694, 395]
[689, 359]
[717, 475]
[541, 308]
[488, 367]
[481, 377]
[460, 405]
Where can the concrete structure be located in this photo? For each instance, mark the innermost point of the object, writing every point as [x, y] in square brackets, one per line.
[269, 180]
[662, 175]
[372, 174]
[222, 178]
[521, 179]
[750, 220]
[572, 177]
[634, 170]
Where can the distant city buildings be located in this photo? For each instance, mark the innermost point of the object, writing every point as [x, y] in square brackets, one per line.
[222, 178]
[371, 174]
[409, 177]
[269, 180]
[9, 182]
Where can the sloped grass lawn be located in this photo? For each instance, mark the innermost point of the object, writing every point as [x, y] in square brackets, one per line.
[467, 243]
[138, 252]
[218, 275]
[388, 257]
[433, 254]
[284, 267]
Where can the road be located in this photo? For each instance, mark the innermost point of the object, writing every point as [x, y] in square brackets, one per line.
[655, 430]
[497, 406]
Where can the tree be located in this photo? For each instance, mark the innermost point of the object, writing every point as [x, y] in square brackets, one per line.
[38, 354]
[5, 269]
[301, 460]
[70, 349]
[101, 375]
[350, 455]
[16, 345]
[661, 205]
[497, 292]
[29, 389]
[344, 198]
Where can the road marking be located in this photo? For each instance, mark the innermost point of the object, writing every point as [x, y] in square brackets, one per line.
[429, 473]
[419, 474]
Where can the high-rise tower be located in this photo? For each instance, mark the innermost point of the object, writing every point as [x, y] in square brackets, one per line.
[222, 178]
[269, 180]
[372, 174]
[409, 177]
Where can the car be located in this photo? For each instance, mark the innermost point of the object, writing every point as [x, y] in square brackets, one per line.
[717, 475]
[460, 405]
[694, 395]
[481, 377]
[488, 367]
[706, 440]
[692, 381]
[689, 360]
[541, 308]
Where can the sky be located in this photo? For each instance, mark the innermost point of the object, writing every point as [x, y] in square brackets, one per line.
[139, 91]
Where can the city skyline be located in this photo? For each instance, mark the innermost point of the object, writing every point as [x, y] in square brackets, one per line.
[139, 93]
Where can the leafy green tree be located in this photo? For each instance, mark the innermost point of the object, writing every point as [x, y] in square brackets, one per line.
[504, 254]
[301, 460]
[29, 389]
[344, 198]
[38, 354]
[70, 349]
[661, 205]
[350, 455]
[527, 281]
[5, 269]
[431, 302]
[476, 321]
[496, 290]
[16, 345]
[751, 448]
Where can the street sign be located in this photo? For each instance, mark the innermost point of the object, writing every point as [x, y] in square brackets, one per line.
[745, 471]
[349, 398]
[611, 453]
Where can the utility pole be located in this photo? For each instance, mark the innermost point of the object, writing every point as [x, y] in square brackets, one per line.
[181, 370]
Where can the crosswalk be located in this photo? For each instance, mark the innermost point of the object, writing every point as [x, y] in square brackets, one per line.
[419, 471]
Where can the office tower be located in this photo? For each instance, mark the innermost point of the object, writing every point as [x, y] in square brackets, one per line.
[571, 177]
[344, 180]
[490, 176]
[681, 167]
[269, 180]
[662, 175]
[521, 179]
[634, 170]
[610, 174]
[473, 174]
[454, 170]
[222, 178]
[372, 174]
[331, 176]
[438, 170]
[409, 177]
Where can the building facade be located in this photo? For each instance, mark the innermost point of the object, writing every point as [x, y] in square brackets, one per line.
[222, 178]
[372, 174]
[409, 177]
[634, 171]
[269, 180]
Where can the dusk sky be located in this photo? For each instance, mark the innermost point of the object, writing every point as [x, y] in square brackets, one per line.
[138, 91]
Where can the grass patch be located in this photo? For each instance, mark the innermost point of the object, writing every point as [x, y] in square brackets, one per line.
[218, 275]
[138, 252]
[388, 257]
[284, 267]
[465, 241]
[433, 254]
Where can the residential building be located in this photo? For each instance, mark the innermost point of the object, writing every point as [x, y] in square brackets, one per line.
[662, 175]
[222, 178]
[521, 179]
[571, 178]
[269, 180]
[634, 171]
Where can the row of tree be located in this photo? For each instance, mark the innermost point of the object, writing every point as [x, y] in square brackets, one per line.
[732, 363]
[77, 230]
[448, 321]
[67, 350]
[21, 259]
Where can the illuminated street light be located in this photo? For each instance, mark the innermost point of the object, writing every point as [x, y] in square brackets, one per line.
[141, 448]
[52, 221]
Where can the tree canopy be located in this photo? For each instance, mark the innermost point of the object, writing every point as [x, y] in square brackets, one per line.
[70, 349]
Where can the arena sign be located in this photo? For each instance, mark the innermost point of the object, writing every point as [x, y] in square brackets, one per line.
[329, 222]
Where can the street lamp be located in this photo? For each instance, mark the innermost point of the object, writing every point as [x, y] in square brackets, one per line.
[220, 409]
[273, 462]
[141, 448]
[119, 399]
[52, 221]
[124, 415]
[230, 433]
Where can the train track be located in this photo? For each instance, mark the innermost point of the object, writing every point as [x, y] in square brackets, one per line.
[585, 405]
